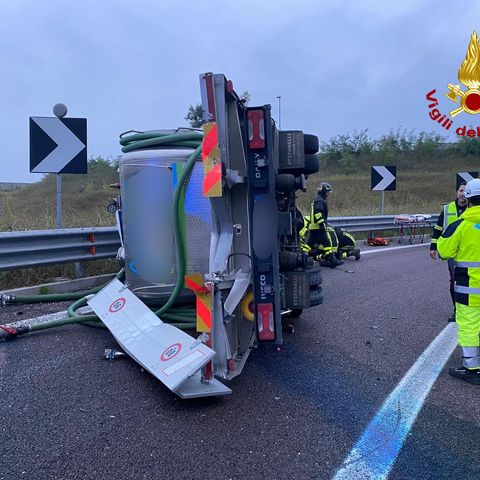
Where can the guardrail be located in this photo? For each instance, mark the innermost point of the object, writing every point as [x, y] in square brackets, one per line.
[370, 224]
[32, 248]
[43, 247]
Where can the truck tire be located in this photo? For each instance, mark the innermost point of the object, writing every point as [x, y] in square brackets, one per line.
[316, 278]
[287, 261]
[316, 296]
[285, 183]
[296, 312]
[310, 143]
[312, 164]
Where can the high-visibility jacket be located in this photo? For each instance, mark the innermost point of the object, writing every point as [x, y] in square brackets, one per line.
[314, 235]
[449, 214]
[461, 241]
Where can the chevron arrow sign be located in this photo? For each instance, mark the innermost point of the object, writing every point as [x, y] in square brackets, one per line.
[384, 178]
[58, 145]
[465, 177]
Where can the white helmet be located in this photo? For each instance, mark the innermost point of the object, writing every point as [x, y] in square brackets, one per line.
[472, 188]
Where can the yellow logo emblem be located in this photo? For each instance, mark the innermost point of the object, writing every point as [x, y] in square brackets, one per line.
[469, 75]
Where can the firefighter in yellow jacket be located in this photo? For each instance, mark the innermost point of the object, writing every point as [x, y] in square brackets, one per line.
[461, 241]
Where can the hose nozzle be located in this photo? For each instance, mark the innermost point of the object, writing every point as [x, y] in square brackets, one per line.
[10, 333]
[6, 299]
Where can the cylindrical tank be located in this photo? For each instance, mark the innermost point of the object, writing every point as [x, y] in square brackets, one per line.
[148, 180]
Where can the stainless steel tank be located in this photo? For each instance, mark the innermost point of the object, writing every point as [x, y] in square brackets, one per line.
[148, 180]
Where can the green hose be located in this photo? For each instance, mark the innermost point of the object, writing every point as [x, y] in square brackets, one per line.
[59, 297]
[180, 317]
[155, 138]
[55, 297]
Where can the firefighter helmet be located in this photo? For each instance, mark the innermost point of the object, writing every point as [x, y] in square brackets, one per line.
[324, 187]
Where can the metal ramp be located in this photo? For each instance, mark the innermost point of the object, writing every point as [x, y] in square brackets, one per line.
[168, 353]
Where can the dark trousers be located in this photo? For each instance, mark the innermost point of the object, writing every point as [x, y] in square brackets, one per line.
[451, 270]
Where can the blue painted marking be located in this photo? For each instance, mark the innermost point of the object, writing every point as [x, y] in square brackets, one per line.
[132, 267]
[374, 454]
[195, 203]
[477, 226]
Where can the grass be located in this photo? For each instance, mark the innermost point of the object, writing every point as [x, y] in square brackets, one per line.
[422, 187]
[84, 201]
[50, 273]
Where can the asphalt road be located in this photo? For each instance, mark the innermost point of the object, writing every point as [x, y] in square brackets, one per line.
[69, 414]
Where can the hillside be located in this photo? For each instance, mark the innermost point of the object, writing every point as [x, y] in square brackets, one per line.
[426, 171]
[84, 200]
[421, 188]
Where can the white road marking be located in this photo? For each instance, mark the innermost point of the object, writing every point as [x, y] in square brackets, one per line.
[389, 249]
[46, 318]
[375, 452]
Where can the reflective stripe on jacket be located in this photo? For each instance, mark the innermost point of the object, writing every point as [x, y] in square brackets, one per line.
[449, 214]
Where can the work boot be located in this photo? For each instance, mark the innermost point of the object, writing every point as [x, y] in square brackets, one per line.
[452, 318]
[470, 376]
[333, 261]
[356, 254]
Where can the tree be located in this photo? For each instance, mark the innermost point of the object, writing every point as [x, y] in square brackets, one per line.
[195, 113]
[246, 96]
[195, 116]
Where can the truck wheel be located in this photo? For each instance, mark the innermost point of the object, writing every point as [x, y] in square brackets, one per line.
[311, 144]
[285, 183]
[316, 297]
[312, 164]
[316, 278]
[296, 312]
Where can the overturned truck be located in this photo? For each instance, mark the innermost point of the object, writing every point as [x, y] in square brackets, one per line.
[210, 218]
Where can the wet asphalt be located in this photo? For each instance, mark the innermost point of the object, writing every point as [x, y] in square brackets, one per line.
[67, 413]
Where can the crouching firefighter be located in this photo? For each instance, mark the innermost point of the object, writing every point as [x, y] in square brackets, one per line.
[347, 246]
[461, 242]
[318, 241]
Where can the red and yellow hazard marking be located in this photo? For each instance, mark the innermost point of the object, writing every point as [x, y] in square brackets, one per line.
[196, 283]
[212, 164]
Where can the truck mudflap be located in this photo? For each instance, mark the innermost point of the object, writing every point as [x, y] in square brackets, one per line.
[168, 353]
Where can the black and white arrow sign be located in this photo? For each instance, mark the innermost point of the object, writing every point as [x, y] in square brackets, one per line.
[465, 177]
[384, 178]
[58, 145]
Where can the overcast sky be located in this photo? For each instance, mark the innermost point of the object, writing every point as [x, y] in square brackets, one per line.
[338, 65]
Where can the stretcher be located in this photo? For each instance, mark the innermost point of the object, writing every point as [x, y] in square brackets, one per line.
[412, 227]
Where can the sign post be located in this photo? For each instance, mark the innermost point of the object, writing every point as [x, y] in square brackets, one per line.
[383, 178]
[59, 201]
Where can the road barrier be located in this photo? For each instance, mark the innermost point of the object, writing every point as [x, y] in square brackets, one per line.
[370, 224]
[32, 248]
